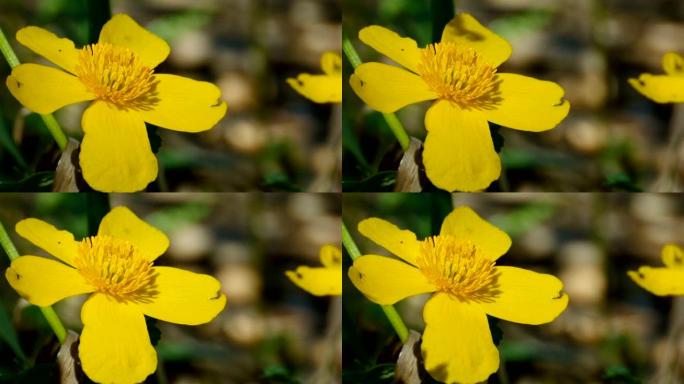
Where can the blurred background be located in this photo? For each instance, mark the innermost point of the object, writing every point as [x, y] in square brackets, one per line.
[613, 331]
[272, 138]
[614, 139]
[270, 332]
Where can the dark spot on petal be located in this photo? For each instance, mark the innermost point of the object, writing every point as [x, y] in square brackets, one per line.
[218, 103]
[218, 295]
[560, 103]
[18, 83]
[18, 276]
[59, 50]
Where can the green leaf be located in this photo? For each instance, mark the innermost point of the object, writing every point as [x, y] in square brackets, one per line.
[619, 374]
[9, 145]
[380, 182]
[622, 182]
[37, 182]
[277, 181]
[278, 374]
[9, 335]
[351, 144]
[39, 373]
[380, 373]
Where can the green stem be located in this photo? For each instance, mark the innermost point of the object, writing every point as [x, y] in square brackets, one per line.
[390, 118]
[389, 310]
[49, 120]
[49, 313]
[7, 51]
[398, 130]
[55, 130]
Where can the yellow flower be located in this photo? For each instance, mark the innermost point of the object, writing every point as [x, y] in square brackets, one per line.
[663, 281]
[321, 281]
[667, 88]
[325, 88]
[117, 73]
[459, 266]
[116, 267]
[460, 72]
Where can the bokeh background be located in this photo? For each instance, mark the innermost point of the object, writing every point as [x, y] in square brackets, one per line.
[614, 139]
[613, 331]
[270, 332]
[272, 138]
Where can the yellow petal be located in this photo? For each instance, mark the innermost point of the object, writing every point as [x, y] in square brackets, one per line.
[43, 282]
[660, 281]
[121, 223]
[185, 105]
[457, 344]
[528, 104]
[459, 153]
[331, 64]
[318, 281]
[385, 281]
[123, 31]
[660, 88]
[114, 345]
[387, 88]
[318, 88]
[60, 51]
[331, 256]
[44, 89]
[115, 152]
[465, 29]
[184, 297]
[402, 50]
[672, 256]
[400, 242]
[673, 64]
[526, 297]
[60, 244]
[464, 224]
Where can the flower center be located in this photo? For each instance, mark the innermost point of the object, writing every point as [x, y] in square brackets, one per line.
[115, 74]
[458, 268]
[115, 267]
[459, 74]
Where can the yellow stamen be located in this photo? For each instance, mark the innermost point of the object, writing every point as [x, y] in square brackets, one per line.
[115, 74]
[458, 74]
[458, 268]
[115, 267]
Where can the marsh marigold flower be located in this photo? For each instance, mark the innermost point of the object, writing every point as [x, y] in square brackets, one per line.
[116, 268]
[326, 88]
[459, 267]
[664, 281]
[667, 88]
[460, 73]
[117, 74]
[321, 281]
